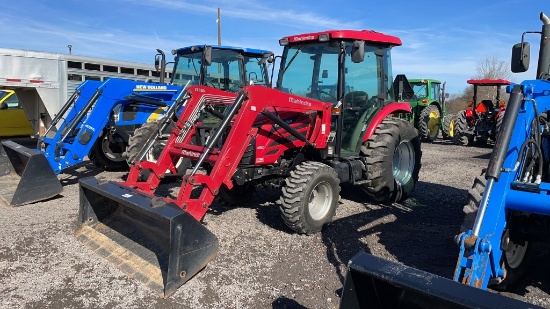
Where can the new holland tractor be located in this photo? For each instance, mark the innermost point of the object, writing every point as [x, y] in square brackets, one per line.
[506, 214]
[99, 118]
[480, 121]
[329, 121]
[428, 106]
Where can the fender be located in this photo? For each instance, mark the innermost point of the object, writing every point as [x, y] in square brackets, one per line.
[385, 111]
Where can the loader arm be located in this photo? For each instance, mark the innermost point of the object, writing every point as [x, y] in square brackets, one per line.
[508, 192]
[247, 109]
[91, 112]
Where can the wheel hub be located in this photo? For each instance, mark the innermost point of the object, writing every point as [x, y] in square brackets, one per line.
[319, 201]
[403, 162]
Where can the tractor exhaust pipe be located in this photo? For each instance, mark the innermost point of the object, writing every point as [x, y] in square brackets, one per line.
[544, 50]
[374, 283]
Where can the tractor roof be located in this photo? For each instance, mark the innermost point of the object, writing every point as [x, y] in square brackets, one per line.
[423, 80]
[489, 82]
[365, 35]
[248, 51]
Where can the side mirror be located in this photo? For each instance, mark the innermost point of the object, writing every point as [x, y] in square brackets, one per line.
[207, 58]
[3, 105]
[358, 51]
[160, 64]
[324, 74]
[521, 56]
[266, 58]
[157, 62]
[402, 89]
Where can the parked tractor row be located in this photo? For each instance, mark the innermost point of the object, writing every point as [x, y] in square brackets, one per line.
[336, 115]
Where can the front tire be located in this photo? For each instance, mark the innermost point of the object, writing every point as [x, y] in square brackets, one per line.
[104, 157]
[238, 195]
[140, 137]
[309, 197]
[514, 255]
[392, 155]
[429, 122]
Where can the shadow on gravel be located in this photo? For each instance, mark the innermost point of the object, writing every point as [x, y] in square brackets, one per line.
[71, 175]
[418, 232]
[286, 303]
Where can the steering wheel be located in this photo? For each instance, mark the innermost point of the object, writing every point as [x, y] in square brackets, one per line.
[212, 84]
[326, 93]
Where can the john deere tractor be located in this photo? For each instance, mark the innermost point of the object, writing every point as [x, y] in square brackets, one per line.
[428, 106]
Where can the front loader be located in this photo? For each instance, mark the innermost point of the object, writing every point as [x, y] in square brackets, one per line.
[99, 119]
[328, 121]
[507, 210]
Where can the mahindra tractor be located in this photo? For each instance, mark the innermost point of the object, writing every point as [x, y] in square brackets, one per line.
[481, 120]
[99, 120]
[428, 106]
[328, 121]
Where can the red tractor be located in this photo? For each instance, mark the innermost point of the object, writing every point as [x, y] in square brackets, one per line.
[480, 121]
[329, 121]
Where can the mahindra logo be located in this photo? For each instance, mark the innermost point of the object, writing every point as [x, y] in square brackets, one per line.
[190, 153]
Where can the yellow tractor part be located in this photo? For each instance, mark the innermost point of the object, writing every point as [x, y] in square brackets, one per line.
[13, 120]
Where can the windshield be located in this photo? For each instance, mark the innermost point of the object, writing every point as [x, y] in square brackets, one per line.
[3, 94]
[187, 69]
[420, 90]
[256, 73]
[225, 71]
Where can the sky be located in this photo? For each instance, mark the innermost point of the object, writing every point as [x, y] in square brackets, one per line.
[443, 40]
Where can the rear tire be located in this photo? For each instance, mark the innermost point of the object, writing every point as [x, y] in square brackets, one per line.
[309, 197]
[448, 126]
[103, 157]
[429, 123]
[461, 137]
[392, 155]
[514, 255]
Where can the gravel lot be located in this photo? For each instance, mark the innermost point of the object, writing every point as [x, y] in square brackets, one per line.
[261, 264]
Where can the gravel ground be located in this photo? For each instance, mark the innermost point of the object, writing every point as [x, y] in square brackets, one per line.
[261, 264]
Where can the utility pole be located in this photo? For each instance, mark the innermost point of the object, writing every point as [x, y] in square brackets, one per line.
[70, 49]
[219, 21]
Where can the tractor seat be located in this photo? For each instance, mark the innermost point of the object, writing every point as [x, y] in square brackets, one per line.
[488, 105]
[356, 99]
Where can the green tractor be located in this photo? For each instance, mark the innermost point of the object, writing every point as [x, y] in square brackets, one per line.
[428, 106]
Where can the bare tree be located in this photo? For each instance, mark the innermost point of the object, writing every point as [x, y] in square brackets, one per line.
[490, 67]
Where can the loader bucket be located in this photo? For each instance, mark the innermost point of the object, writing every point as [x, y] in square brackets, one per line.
[153, 241]
[25, 175]
[372, 282]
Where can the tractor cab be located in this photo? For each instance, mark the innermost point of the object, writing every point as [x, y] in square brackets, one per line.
[221, 67]
[350, 69]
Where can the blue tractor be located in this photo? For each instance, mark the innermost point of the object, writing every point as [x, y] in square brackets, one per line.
[507, 212]
[100, 117]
